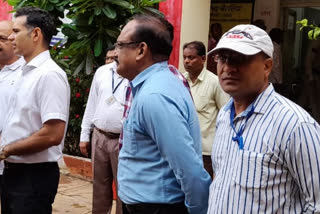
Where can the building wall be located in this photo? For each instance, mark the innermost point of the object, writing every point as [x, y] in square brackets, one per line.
[194, 24]
[269, 11]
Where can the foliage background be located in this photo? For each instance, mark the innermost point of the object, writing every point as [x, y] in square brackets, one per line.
[313, 31]
[95, 25]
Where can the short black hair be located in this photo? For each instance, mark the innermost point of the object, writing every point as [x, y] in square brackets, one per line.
[215, 25]
[111, 48]
[260, 24]
[276, 35]
[157, 33]
[37, 17]
[199, 46]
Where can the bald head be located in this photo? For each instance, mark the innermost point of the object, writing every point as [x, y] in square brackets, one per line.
[7, 56]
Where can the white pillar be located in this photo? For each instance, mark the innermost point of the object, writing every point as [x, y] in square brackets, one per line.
[194, 24]
[269, 11]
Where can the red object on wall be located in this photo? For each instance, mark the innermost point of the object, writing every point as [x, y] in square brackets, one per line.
[172, 9]
[4, 11]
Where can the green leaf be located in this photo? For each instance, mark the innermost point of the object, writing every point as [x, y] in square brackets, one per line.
[316, 33]
[150, 2]
[303, 22]
[121, 3]
[310, 34]
[54, 1]
[12, 2]
[65, 65]
[63, 3]
[152, 10]
[97, 11]
[79, 68]
[97, 47]
[112, 33]
[49, 7]
[109, 12]
[90, 20]
[89, 64]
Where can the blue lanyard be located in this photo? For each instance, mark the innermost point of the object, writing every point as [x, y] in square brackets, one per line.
[238, 136]
[115, 89]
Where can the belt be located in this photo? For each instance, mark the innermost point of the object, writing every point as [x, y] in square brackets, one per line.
[110, 135]
[136, 208]
[10, 165]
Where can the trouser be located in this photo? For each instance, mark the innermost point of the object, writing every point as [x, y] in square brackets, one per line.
[105, 171]
[29, 188]
[207, 163]
[146, 208]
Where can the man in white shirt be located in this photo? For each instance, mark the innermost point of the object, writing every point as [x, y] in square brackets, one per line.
[110, 55]
[103, 115]
[9, 72]
[35, 124]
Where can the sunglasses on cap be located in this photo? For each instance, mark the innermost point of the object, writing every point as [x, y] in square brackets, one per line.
[233, 58]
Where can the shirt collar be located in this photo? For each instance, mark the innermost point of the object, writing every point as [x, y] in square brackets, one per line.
[260, 103]
[37, 61]
[145, 74]
[200, 77]
[15, 65]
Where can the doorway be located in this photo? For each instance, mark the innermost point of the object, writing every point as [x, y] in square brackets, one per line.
[301, 59]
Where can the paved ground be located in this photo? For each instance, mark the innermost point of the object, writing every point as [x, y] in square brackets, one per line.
[74, 196]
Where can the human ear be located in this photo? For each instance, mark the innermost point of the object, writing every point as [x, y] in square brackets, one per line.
[268, 63]
[141, 51]
[36, 34]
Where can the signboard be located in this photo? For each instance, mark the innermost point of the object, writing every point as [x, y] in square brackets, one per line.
[230, 14]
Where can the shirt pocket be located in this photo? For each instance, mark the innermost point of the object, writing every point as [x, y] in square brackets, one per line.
[203, 103]
[251, 170]
[129, 139]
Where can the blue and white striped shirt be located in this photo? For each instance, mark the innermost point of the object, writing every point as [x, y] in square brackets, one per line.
[278, 169]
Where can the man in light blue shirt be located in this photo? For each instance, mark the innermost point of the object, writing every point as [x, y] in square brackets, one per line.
[160, 164]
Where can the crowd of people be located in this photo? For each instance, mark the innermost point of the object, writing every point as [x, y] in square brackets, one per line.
[173, 143]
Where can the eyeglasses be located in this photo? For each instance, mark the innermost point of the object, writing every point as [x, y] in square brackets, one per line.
[233, 58]
[119, 45]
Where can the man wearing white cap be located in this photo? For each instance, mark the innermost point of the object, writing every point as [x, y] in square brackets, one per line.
[266, 154]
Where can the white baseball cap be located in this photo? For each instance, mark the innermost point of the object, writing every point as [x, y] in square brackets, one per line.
[247, 40]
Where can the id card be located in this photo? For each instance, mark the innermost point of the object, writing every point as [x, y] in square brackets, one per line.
[111, 100]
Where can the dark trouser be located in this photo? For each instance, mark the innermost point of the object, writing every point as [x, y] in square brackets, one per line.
[207, 163]
[0, 184]
[29, 188]
[145, 208]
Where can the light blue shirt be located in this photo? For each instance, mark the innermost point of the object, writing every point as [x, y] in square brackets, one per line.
[160, 161]
[278, 169]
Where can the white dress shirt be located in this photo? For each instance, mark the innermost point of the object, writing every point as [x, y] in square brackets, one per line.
[42, 93]
[9, 75]
[105, 104]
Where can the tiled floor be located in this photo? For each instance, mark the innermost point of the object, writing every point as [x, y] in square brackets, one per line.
[74, 196]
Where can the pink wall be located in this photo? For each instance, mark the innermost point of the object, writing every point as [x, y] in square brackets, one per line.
[4, 11]
[172, 9]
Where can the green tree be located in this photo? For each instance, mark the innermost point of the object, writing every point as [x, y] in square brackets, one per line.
[95, 25]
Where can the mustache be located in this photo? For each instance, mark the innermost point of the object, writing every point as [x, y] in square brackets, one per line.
[116, 60]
